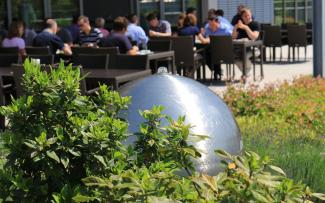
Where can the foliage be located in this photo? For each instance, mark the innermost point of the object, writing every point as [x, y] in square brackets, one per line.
[65, 147]
[287, 122]
[56, 137]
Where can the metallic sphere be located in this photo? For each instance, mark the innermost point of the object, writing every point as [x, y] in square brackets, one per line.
[202, 108]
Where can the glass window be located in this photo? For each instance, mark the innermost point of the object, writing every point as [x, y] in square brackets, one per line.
[301, 15]
[3, 14]
[31, 11]
[278, 12]
[63, 10]
[146, 7]
[173, 8]
[289, 16]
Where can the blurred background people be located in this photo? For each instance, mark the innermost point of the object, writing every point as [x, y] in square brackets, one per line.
[158, 28]
[100, 24]
[14, 38]
[88, 36]
[135, 32]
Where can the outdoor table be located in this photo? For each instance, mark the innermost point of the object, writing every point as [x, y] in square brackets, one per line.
[243, 45]
[156, 56]
[115, 76]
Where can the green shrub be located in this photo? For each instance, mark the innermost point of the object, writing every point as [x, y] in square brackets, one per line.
[65, 147]
[287, 122]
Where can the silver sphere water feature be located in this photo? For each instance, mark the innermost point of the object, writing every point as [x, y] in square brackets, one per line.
[202, 108]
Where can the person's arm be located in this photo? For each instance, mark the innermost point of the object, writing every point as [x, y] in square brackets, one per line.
[66, 49]
[253, 35]
[235, 32]
[159, 34]
[133, 50]
[203, 39]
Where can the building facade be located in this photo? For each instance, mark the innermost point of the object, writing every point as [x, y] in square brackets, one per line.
[265, 11]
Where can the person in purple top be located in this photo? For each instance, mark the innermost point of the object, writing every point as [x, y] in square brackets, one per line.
[100, 24]
[14, 38]
[74, 29]
[118, 38]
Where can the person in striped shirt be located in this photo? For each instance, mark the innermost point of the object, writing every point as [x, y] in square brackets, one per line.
[89, 36]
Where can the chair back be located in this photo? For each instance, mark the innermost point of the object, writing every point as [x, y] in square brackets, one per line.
[124, 61]
[272, 36]
[221, 50]
[44, 59]
[111, 51]
[7, 59]
[93, 61]
[38, 50]
[183, 48]
[160, 45]
[297, 35]
[9, 50]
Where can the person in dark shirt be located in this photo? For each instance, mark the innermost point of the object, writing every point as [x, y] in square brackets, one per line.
[118, 38]
[74, 29]
[246, 28]
[237, 17]
[89, 36]
[158, 28]
[189, 26]
[48, 38]
[65, 35]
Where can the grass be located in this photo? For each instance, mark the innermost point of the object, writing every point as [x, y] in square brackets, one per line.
[287, 123]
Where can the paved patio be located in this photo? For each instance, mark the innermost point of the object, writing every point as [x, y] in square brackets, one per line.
[273, 72]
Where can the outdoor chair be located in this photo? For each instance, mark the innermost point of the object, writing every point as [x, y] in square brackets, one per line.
[222, 52]
[297, 37]
[111, 51]
[273, 39]
[186, 58]
[159, 45]
[124, 61]
[38, 51]
[44, 59]
[9, 50]
[93, 61]
[7, 59]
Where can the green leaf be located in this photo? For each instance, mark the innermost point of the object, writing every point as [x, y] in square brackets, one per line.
[259, 197]
[65, 161]
[277, 169]
[101, 159]
[82, 198]
[53, 155]
[319, 196]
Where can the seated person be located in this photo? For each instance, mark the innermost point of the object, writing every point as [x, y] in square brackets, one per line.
[223, 21]
[118, 38]
[135, 32]
[249, 29]
[246, 27]
[189, 26]
[237, 17]
[14, 38]
[48, 38]
[100, 24]
[65, 35]
[214, 29]
[89, 36]
[158, 28]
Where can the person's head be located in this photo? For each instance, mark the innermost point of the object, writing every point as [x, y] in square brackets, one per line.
[133, 18]
[100, 22]
[214, 23]
[219, 12]
[246, 16]
[51, 25]
[190, 20]
[120, 24]
[211, 13]
[191, 10]
[240, 7]
[83, 23]
[16, 29]
[180, 20]
[153, 20]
